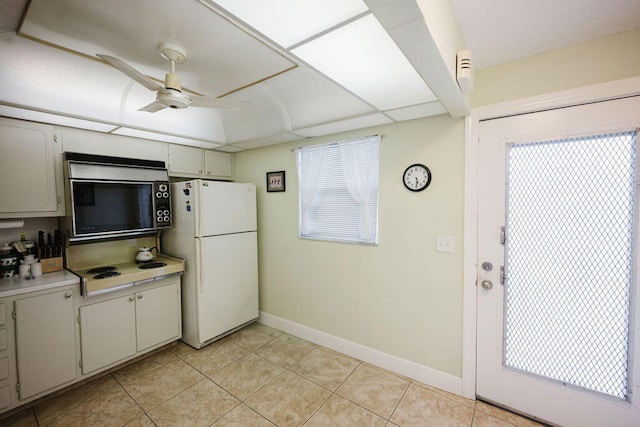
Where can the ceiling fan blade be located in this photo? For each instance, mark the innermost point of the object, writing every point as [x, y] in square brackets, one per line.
[153, 107]
[208, 102]
[131, 72]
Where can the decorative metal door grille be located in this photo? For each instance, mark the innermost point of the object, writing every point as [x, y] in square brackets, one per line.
[569, 260]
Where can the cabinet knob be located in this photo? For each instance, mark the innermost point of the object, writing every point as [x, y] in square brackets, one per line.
[139, 296]
[68, 295]
[200, 171]
[208, 172]
[131, 298]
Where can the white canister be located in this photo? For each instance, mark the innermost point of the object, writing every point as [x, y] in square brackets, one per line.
[36, 269]
[29, 259]
[25, 270]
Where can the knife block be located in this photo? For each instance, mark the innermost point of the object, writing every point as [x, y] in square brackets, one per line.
[51, 264]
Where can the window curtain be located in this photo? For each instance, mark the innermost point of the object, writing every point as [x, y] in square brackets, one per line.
[310, 165]
[360, 168]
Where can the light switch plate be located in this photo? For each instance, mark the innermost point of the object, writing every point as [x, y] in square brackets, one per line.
[444, 243]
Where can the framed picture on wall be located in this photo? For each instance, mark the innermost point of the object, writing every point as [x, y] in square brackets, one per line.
[275, 181]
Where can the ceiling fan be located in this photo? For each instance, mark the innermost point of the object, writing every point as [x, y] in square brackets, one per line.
[170, 95]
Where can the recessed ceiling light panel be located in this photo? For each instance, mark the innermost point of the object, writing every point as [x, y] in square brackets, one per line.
[363, 58]
[288, 22]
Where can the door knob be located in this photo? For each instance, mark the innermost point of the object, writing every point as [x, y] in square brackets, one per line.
[487, 284]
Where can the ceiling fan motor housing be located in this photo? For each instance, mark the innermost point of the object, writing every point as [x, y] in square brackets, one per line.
[174, 99]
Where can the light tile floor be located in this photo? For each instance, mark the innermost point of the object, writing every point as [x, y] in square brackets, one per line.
[258, 376]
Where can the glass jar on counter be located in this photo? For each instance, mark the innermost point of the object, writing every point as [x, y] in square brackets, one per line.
[8, 261]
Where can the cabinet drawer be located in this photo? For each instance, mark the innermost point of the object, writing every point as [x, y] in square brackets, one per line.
[4, 368]
[3, 319]
[3, 339]
[4, 396]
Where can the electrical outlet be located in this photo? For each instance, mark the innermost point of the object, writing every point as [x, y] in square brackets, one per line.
[444, 244]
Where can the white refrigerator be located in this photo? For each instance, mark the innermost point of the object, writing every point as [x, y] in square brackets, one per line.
[215, 231]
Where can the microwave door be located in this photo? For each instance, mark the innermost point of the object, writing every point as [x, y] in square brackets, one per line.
[108, 208]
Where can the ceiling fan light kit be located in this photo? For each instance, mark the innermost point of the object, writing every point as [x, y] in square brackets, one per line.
[171, 95]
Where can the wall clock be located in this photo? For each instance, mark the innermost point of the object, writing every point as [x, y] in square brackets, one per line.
[416, 177]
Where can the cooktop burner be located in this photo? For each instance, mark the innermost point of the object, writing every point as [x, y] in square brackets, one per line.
[101, 269]
[104, 275]
[152, 265]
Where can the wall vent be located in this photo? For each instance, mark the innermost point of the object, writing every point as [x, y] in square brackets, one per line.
[464, 71]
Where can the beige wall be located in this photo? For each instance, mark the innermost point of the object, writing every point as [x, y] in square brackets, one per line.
[400, 297]
[609, 58]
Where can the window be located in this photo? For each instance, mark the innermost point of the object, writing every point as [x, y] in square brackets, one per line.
[338, 190]
[570, 259]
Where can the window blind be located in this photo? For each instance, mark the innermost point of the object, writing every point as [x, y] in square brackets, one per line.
[338, 190]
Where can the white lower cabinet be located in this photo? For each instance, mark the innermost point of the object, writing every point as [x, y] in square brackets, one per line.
[51, 339]
[45, 342]
[5, 395]
[158, 316]
[106, 332]
[115, 329]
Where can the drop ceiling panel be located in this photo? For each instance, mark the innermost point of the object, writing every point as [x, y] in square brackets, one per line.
[266, 116]
[200, 123]
[423, 110]
[220, 58]
[36, 76]
[137, 133]
[362, 57]
[51, 80]
[263, 142]
[288, 22]
[345, 125]
[310, 98]
[54, 119]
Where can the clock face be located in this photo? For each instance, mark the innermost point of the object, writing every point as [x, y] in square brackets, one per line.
[417, 177]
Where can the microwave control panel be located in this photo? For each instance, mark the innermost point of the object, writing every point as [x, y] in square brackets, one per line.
[162, 203]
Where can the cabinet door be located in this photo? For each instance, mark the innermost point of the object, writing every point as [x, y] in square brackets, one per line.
[45, 342]
[107, 332]
[158, 315]
[27, 169]
[217, 164]
[185, 160]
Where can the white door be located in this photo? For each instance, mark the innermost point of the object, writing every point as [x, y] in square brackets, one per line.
[45, 341]
[557, 332]
[228, 294]
[225, 207]
[107, 332]
[158, 315]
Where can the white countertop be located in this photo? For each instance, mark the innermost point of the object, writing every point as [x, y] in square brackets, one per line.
[18, 285]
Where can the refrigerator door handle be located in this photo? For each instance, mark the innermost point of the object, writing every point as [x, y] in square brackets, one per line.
[198, 262]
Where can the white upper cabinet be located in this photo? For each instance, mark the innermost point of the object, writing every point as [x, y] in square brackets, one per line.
[185, 161]
[30, 170]
[217, 164]
[192, 162]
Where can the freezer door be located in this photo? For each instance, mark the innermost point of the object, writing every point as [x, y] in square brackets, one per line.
[228, 293]
[224, 208]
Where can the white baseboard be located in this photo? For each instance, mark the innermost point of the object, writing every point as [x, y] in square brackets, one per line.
[412, 370]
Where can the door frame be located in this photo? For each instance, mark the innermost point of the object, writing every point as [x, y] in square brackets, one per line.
[568, 98]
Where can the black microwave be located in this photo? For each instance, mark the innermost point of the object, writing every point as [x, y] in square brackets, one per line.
[115, 197]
